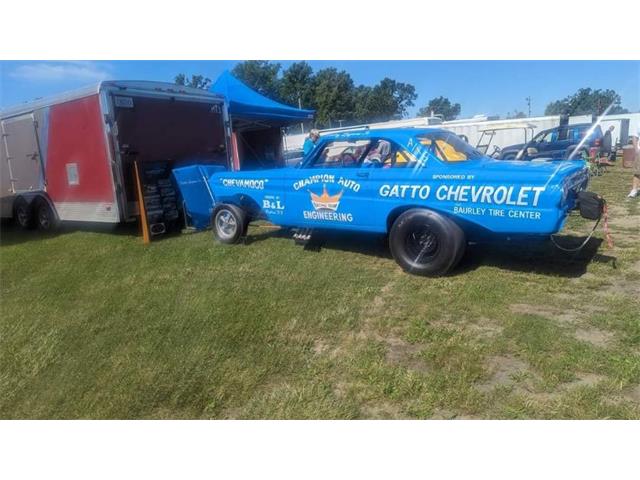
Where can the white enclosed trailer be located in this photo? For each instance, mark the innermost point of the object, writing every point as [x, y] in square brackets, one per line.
[473, 128]
[71, 156]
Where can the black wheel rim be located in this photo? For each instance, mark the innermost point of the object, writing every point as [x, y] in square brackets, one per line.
[422, 244]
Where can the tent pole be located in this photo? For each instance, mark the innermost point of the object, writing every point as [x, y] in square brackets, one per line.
[300, 107]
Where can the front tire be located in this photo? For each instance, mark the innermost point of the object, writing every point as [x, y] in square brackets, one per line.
[426, 243]
[229, 223]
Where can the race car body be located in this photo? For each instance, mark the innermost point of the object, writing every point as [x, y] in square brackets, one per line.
[373, 181]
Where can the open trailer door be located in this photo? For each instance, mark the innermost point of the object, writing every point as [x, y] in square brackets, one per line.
[159, 129]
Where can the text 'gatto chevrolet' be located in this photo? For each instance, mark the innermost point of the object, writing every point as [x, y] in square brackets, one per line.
[429, 191]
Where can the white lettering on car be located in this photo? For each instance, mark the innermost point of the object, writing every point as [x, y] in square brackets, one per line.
[251, 183]
[500, 195]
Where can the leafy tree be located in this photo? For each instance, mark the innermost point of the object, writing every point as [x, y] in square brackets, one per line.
[196, 81]
[587, 101]
[361, 96]
[384, 101]
[297, 85]
[441, 106]
[334, 97]
[261, 75]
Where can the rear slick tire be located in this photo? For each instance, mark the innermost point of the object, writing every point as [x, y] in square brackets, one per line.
[426, 243]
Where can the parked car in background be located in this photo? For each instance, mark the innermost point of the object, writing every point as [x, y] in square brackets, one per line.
[559, 143]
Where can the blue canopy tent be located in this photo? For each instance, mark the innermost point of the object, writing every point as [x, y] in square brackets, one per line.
[256, 123]
[247, 104]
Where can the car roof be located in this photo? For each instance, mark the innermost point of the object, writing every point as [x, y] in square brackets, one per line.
[391, 133]
[571, 125]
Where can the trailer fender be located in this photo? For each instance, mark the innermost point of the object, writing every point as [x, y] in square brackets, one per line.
[32, 199]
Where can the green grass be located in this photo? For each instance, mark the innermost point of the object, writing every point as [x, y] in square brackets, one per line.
[95, 325]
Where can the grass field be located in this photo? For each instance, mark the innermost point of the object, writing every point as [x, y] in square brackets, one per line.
[95, 325]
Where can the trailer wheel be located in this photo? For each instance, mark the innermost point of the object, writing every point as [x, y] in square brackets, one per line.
[23, 214]
[426, 243]
[45, 217]
[229, 223]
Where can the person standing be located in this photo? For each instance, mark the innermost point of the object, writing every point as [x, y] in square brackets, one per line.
[607, 143]
[635, 182]
[310, 142]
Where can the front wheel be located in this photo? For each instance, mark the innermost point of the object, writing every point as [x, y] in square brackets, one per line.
[426, 243]
[229, 223]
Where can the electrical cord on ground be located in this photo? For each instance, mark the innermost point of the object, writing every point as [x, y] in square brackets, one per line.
[607, 233]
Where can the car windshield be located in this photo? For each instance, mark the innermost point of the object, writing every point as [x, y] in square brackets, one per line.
[449, 147]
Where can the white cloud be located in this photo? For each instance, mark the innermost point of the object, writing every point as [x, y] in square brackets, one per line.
[41, 71]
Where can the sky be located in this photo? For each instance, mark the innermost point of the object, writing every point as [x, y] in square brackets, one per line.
[480, 86]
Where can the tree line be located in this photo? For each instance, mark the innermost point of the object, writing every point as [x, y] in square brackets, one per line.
[332, 93]
[338, 101]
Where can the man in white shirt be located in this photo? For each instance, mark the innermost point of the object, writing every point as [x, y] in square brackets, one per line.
[635, 186]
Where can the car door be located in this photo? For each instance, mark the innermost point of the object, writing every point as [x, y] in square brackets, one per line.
[328, 190]
[561, 142]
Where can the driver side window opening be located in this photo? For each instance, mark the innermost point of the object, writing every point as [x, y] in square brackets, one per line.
[378, 154]
[340, 154]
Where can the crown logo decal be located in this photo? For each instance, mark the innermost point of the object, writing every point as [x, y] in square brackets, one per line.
[325, 201]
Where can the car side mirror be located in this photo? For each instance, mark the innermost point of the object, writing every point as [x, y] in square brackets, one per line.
[531, 151]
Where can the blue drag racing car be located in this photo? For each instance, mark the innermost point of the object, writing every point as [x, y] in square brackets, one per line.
[428, 190]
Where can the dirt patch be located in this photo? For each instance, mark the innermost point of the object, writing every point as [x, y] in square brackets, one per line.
[584, 307]
[400, 352]
[597, 337]
[619, 217]
[385, 411]
[319, 347]
[484, 328]
[443, 414]
[503, 368]
[633, 394]
[620, 286]
[585, 380]
[379, 300]
[340, 389]
[561, 316]
[376, 308]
